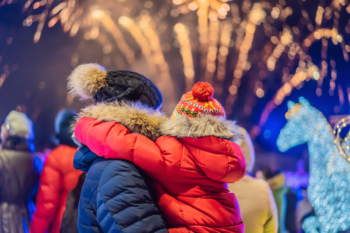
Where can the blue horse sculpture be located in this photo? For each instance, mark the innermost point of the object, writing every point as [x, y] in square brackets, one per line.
[329, 186]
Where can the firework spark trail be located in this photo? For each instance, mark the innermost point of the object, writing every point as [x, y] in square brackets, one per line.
[303, 73]
[285, 40]
[206, 9]
[226, 33]
[214, 30]
[114, 30]
[182, 35]
[214, 36]
[277, 12]
[203, 30]
[140, 39]
[228, 27]
[164, 82]
[255, 17]
[305, 59]
[215, 8]
[299, 77]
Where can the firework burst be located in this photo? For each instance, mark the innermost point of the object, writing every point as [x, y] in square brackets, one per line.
[250, 40]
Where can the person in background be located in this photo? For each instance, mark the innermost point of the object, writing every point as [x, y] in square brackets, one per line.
[115, 196]
[20, 171]
[299, 178]
[59, 177]
[258, 207]
[277, 181]
[294, 182]
[292, 200]
[70, 216]
[303, 209]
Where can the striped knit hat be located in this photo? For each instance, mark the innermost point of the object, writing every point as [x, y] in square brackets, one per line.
[198, 102]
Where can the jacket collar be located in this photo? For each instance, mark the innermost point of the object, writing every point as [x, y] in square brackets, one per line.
[137, 118]
[206, 125]
[84, 158]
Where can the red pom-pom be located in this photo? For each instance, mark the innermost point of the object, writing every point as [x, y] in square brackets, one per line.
[203, 91]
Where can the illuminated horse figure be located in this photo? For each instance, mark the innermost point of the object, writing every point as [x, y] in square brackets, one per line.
[329, 186]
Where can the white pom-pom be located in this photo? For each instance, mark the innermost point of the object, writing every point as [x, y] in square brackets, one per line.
[86, 80]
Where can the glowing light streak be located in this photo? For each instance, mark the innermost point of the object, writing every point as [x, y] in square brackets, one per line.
[140, 39]
[319, 15]
[256, 15]
[165, 82]
[212, 50]
[226, 33]
[203, 30]
[324, 69]
[321, 33]
[217, 8]
[2, 79]
[182, 35]
[299, 77]
[112, 28]
[285, 13]
[285, 40]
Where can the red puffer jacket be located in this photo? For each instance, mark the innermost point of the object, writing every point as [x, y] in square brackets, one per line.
[190, 167]
[57, 180]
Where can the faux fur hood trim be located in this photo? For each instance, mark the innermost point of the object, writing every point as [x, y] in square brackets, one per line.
[137, 118]
[206, 125]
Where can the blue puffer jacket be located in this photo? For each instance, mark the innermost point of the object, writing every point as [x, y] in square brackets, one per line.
[115, 197]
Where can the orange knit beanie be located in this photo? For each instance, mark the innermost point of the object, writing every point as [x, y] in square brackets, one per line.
[198, 102]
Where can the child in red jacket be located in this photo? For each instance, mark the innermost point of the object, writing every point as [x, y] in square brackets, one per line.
[190, 165]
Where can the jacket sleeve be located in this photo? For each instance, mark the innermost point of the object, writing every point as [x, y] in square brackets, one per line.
[109, 140]
[228, 167]
[124, 201]
[271, 225]
[48, 197]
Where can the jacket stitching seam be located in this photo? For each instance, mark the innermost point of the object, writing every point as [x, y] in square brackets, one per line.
[88, 203]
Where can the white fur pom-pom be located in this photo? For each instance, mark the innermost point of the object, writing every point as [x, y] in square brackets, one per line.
[86, 80]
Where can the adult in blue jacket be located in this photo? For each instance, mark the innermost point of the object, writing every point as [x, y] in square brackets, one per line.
[114, 197]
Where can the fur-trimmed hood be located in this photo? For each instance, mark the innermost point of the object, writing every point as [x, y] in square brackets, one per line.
[206, 125]
[137, 118]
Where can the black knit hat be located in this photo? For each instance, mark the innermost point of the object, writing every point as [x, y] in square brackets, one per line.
[63, 124]
[130, 86]
[92, 81]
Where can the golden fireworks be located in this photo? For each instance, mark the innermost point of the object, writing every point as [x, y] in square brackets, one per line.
[182, 35]
[225, 40]
[212, 9]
